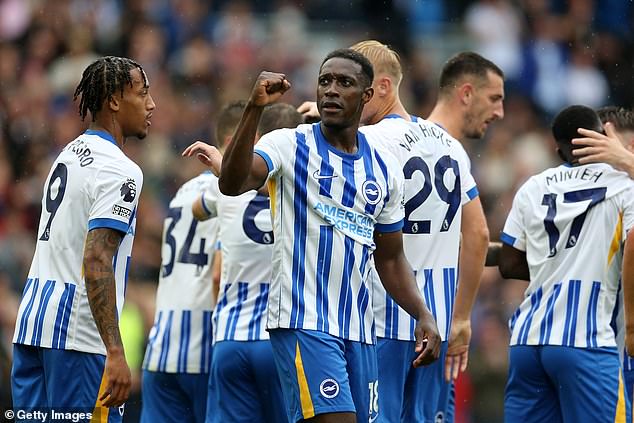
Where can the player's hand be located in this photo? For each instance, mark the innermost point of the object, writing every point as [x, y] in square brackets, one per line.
[457, 349]
[207, 154]
[309, 112]
[268, 88]
[118, 380]
[427, 340]
[602, 148]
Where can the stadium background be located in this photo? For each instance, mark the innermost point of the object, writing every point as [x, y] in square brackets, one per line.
[199, 54]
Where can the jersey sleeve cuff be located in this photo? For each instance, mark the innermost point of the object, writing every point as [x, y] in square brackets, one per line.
[389, 227]
[105, 222]
[203, 203]
[267, 159]
[507, 239]
[473, 193]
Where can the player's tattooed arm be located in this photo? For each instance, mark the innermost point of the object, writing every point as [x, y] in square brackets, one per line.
[101, 246]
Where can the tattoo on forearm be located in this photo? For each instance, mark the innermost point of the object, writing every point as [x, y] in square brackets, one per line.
[101, 245]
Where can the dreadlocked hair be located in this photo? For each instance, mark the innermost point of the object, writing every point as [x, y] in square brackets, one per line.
[101, 80]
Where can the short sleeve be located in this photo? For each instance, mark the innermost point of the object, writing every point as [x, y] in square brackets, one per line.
[468, 186]
[274, 148]
[514, 233]
[115, 196]
[392, 216]
[209, 198]
[628, 210]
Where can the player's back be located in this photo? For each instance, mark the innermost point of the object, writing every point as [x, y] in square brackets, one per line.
[180, 340]
[571, 221]
[246, 237]
[92, 184]
[438, 182]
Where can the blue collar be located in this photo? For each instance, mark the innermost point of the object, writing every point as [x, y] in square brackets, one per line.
[102, 134]
[361, 142]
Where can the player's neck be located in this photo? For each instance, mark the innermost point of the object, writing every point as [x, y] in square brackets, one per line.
[343, 139]
[392, 107]
[446, 116]
[98, 126]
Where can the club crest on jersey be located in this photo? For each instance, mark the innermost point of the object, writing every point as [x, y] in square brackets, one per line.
[128, 190]
[329, 388]
[372, 192]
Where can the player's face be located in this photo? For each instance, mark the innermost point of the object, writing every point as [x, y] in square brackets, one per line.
[340, 93]
[136, 107]
[487, 106]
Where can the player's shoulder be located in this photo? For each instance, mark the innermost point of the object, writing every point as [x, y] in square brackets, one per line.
[198, 184]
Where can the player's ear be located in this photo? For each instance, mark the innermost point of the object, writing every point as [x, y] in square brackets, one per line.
[465, 93]
[368, 93]
[383, 86]
[113, 103]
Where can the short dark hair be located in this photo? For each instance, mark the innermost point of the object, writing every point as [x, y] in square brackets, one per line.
[227, 120]
[567, 121]
[466, 63]
[279, 115]
[346, 53]
[101, 80]
[621, 118]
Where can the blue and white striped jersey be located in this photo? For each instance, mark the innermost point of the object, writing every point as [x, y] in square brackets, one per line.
[326, 205]
[571, 222]
[438, 182]
[180, 339]
[92, 184]
[246, 238]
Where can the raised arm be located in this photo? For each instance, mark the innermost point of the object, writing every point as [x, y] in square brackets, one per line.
[101, 246]
[473, 249]
[398, 279]
[241, 170]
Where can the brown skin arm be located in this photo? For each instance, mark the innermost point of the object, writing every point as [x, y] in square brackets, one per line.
[101, 246]
[242, 170]
[513, 264]
[473, 249]
[493, 254]
[627, 279]
[398, 279]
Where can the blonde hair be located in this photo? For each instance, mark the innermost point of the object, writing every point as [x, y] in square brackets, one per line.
[384, 60]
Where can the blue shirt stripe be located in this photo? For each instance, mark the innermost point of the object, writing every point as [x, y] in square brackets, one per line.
[546, 326]
[570, 325]
[324, 257]
[24, 322]
[349, 185]
[429, 291]
[47, 291]
[152, 340]
[61, 308]
[345, 294]
[165, 345]
[363, 299]
[234, 312]
[205, 356]
[325, 184]
[449, 276]
[591, 322]
[525, 328]
[184, 341]
[300, 229]
[258, 312]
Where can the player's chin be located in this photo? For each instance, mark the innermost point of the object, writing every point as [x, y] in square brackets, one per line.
[141, 134]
